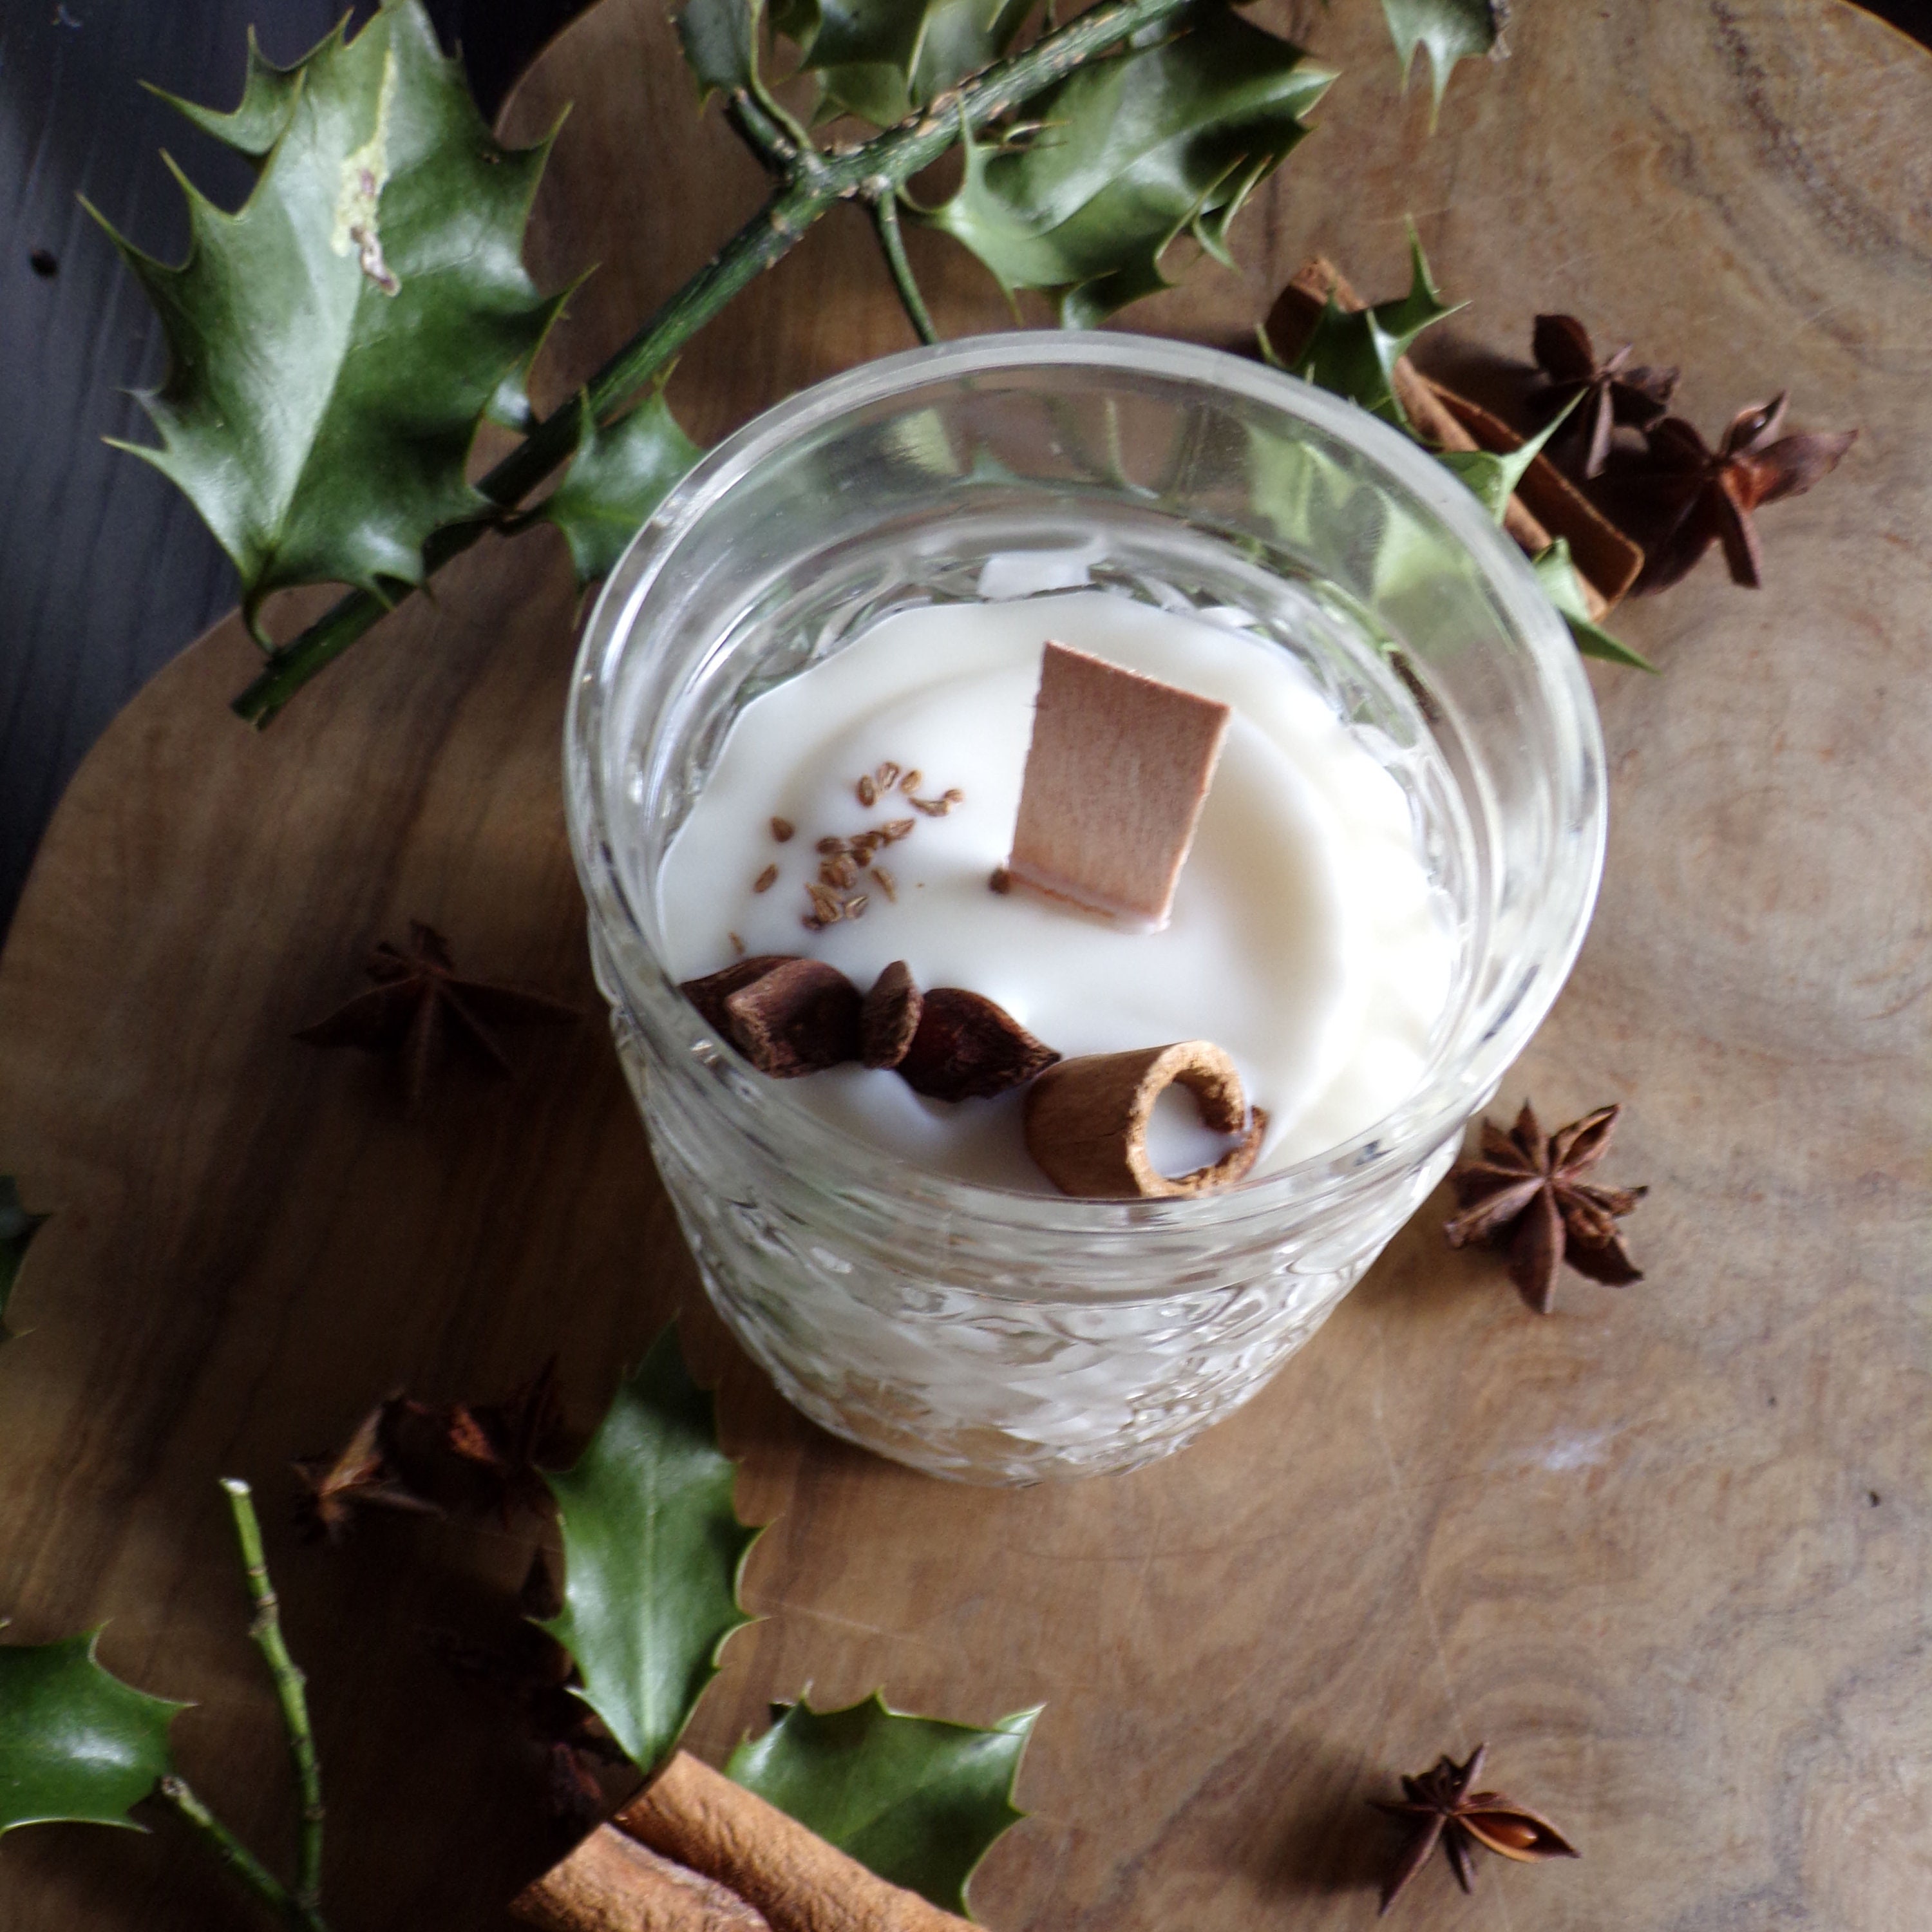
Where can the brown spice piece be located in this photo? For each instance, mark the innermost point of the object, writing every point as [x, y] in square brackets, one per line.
[1546, 504]
[782, 830]
[933, 807]
[706, 1822]
[799, 1017]
[886, 776]
[709, 994]
[1443, 1810]
[890, 1016]
[509, 1441]
[913, 780]
[1000, 881]
[1117, 772]
[886, 883]
[361, 1474]
[611, 1883]
[868, 789]
[1086, 1121]
[1612, 391]
[766, 880]
[896, 829]
[1708, 495]
[839, 872]
[1528, 1189]
[965, 1048]
[855, 907]
[419, 1001]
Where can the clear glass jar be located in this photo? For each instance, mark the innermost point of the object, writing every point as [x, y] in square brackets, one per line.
[999, 1337]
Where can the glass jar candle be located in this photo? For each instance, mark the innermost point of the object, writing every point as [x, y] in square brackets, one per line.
[976, 1331]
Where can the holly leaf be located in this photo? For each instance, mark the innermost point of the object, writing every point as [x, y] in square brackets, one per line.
[1354, 352]
[333, 344]
[916, 1800]
[884, 59]
[76, 1743]
[619, 476]
[268, 94]
[17, 1230]
[1126, 155]
[1563, 588]
[720, 39]
[652, 1553]
[1492, 476]
[1450, 30]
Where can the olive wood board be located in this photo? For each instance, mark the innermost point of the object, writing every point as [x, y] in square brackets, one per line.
[1668, 1551]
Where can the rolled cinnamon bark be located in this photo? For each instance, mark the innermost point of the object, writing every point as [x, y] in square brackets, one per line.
[699, 1817]
[611, 1883]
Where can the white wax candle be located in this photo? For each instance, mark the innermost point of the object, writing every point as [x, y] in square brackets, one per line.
[1306, 939]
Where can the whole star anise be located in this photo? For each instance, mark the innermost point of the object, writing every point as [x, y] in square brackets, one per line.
[1445, 1811]
[509, 1441]
[360, 1474]
[419, 1000]
[1612, 392]
[1530, 1190]
[1707, 495]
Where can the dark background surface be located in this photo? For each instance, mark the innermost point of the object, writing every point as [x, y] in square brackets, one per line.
[105, 571]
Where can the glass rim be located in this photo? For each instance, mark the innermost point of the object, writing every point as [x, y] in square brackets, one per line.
[1467, 1071]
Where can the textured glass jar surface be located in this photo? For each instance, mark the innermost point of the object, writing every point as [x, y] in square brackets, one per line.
[1000, 1337]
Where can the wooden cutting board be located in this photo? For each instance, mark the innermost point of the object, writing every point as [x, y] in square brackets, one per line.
[1669, 1551]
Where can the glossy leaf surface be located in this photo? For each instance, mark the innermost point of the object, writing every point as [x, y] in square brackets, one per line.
[652, 1549]
[618, 477]
[1353, 352]
[333, 344]
[916, 1800]
[1448, 30]
[76, 1743]
[1129, 153]
[884, 59]
[1563, 588]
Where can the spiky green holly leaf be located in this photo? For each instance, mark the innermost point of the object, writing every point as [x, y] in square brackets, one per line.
[1449, 30]
[884, 59]
[17, 1230]
[76, 1743]
[652, 1550]
[720, 39]
[1492, 476]
[618, 477]
[268, 94]
[1561, 584]
[1353, 352]
[1128, 153]
[917, 1800]
[334, 343]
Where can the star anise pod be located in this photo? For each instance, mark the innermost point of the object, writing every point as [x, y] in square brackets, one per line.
[507, 1441]
[419, 1000]
[1707, 495]
[1530, 1190]
[1445, 1811]
[1612, 392]
[361, 1475]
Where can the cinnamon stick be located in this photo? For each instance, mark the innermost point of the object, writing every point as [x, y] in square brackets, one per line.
[1546, 504]
[611, 1883]
[698, 1817]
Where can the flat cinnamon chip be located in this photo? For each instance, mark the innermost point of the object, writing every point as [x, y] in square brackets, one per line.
[799, 1017]
[890, 1016]
[1086, 1121]
[1116, 776]
[965, 1048]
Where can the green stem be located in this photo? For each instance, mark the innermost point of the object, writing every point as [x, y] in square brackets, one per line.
[216, 1838]
[886, 219]
[882, 165]
[267, 1632]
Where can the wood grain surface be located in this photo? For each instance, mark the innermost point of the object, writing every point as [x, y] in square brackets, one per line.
[1669, 1551]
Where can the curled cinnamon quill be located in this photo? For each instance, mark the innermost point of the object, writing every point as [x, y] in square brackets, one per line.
[1086, 1121]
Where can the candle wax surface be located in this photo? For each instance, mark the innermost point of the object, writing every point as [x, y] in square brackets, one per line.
[1306, 939]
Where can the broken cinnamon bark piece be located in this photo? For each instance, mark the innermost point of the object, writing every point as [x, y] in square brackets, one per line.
[709, 994]
[890, 1016]
[1116, 776]
[1546, 504]
[1086, 1121]
[700, 1818]
[965, 1048]
[611, 1883]
[798, 1017]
